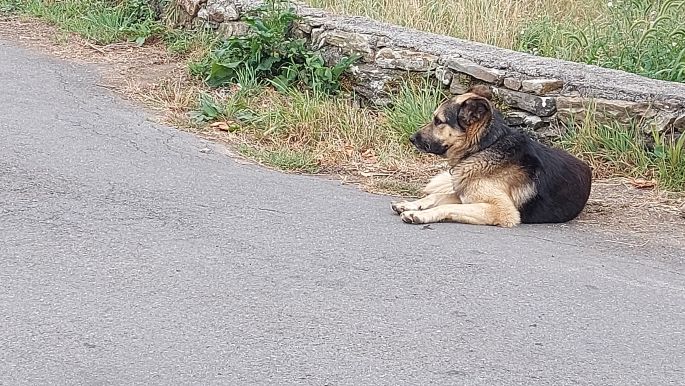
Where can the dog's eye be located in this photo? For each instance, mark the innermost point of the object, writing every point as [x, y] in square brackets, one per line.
[436, 121]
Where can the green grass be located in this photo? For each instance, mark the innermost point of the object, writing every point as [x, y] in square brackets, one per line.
[623, 150]
[100, 21]
[284, 159]
[645, 37]
[412, 107]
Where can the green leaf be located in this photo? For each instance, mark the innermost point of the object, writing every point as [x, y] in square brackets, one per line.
[221, 73]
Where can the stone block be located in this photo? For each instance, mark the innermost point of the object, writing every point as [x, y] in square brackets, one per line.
[220, 11]
[349, 42]
[489, 75]
[541, 86]
[408, 60]
[444, 75]
[534, 104]
[512, 84]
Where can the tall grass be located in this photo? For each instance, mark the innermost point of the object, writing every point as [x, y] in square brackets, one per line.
[623, 150]
[496, 22]
[646, 37]
[412, 107]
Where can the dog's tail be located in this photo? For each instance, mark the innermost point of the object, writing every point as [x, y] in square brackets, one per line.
[442, 184]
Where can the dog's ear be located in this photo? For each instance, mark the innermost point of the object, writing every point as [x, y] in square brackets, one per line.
[481, 90]
[474, 111]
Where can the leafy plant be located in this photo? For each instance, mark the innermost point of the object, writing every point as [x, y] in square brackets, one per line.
[272, 53]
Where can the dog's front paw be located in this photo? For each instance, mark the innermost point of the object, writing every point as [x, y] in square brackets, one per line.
[400, 206]
[413, 217]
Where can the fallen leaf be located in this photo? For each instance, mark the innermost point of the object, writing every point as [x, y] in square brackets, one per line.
[369, 157]
[223, 126]
[641, 183]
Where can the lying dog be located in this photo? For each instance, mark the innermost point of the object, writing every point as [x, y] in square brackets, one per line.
[498, 175]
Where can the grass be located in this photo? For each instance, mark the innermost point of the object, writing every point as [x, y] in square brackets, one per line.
[100, 21]
[284, 159]
[623, 150]
[413, 106]
[110, 21]
[646, 37]
[496, 22]
[334, 130]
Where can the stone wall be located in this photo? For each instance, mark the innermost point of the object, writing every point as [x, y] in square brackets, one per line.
[535, 92]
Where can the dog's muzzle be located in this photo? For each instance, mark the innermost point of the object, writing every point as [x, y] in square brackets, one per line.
[425, 145]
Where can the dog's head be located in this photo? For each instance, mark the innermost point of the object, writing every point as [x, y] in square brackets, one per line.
[458, 124]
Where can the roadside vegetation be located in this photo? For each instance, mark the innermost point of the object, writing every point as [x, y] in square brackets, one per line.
[278, 102]
[646, 37]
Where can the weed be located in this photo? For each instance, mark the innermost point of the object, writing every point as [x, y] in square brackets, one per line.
[621, 150]
[186, 41]
[284, 159]
[10, 6]
[271, 53]
[669, 161]
[412, 107]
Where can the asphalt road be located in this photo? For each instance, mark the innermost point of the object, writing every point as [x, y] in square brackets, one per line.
[132, 253]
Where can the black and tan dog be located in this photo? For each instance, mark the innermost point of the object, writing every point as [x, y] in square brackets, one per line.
[498, 175]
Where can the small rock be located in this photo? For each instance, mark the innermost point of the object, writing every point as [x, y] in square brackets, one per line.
[205, 150]
[512, 84]
[220, 11]
[191, 6]
[233, 28]
[679, 123]
[515, 117]
[533, 122]
[374, 84]
[461, 83]
[304, 27]
[541, 86]
[444, 75]
[203, 14]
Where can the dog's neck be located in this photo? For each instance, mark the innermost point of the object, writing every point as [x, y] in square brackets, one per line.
[497, 129]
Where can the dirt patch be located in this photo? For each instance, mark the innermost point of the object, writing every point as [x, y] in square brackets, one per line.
[626, 214]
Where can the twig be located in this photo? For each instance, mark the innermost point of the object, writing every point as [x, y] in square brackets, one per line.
[96, 48]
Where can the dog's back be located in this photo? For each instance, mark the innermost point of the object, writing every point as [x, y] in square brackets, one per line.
[562, 184]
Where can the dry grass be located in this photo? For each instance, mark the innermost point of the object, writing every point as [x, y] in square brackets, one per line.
[496, 22]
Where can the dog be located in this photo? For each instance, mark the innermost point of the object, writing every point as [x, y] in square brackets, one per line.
[498, 175]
